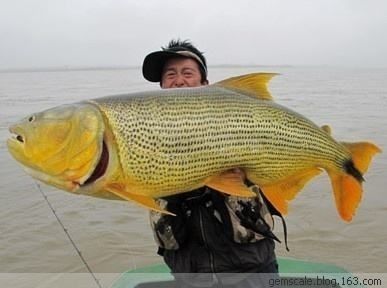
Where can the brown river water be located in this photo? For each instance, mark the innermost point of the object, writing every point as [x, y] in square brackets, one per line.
[115, 236]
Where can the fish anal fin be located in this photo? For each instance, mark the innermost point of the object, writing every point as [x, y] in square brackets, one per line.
[273, 194]
[231, 183]
[121, 191]
[362, 153]
[280, 193]
[348, 192]
[254, 84]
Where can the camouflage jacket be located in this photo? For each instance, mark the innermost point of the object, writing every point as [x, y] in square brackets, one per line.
[207, 234]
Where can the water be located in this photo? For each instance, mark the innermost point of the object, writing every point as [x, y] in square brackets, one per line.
[115, 236]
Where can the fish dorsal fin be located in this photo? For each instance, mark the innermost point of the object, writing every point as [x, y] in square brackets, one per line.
[254, 84]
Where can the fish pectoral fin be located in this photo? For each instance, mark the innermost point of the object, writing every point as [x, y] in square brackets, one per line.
[120, 190]
[254, 84]
[280, 193]
[231, 183]
[348, 192]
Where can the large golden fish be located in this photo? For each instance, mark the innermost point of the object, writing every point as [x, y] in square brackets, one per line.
[147, 145]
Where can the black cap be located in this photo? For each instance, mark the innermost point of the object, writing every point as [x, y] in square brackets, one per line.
[154, 62]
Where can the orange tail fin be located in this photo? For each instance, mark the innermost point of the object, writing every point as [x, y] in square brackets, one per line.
[362, 153]
[347, 187]
[348, 192]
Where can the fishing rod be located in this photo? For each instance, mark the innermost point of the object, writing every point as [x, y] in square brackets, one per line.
[68, 235]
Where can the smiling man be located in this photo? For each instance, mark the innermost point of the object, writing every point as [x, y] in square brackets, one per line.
[179, 65]
[179, 73]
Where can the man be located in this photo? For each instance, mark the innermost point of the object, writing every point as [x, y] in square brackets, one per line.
[178, 65]
[211, 232]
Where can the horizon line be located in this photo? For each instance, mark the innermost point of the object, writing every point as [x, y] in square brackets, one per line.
[63, 68]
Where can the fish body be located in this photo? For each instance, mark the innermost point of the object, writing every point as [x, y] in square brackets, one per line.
[174, 140]
[148, 145]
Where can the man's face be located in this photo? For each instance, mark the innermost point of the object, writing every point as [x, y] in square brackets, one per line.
[181, 72]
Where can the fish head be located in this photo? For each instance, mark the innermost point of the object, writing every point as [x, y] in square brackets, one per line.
[60, 146]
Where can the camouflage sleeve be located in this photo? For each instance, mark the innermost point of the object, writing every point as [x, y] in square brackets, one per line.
[250, 217]
[169, 231]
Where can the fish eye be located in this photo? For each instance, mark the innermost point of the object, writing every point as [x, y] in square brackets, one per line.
[31, 118]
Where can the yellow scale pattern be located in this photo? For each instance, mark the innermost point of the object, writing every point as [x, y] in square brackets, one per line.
[171, 140]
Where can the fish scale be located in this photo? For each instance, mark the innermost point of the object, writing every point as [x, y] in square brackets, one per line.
[171, 139]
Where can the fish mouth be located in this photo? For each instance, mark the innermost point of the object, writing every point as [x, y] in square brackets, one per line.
[101, 167]
[16, 135]
[16, 142]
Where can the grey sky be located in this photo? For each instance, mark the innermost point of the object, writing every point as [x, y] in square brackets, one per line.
[41, 33]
